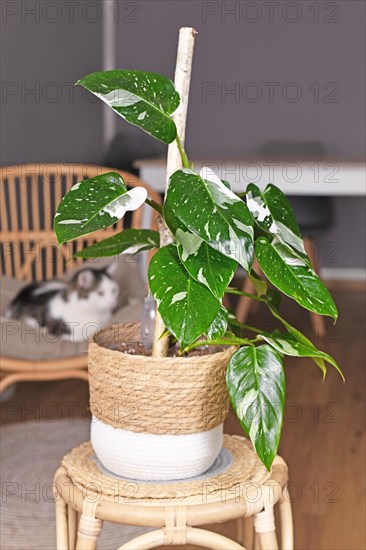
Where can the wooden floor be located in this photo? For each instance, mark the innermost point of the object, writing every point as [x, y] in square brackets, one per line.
[323, 437]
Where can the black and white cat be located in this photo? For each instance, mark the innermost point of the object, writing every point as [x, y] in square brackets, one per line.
[73, 309]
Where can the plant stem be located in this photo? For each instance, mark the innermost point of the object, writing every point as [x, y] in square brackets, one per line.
[248, 327]
[154, 205]
[182, 153]
[230, 290]
[223, 342]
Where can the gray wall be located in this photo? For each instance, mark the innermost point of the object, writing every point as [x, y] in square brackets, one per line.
[258, 52]
[231, 53]
[47, 51]
[314, 66]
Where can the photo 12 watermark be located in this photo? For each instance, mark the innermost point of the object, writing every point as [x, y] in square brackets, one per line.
[69, 11]
[44, 92]
[270, 92]
[271, 12]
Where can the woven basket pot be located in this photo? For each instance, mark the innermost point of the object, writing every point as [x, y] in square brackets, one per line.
[155, 418]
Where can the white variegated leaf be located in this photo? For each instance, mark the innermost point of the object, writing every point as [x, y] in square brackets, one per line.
[187, 307]
[128, 241]
[256, 383]
[95, 204]
[219, 325]
[212, 212]
[205, 264]
[297, 346]
[273, 213]
[294, 277]
[142, 98]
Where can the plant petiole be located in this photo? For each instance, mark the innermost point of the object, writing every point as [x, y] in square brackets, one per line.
[230, 290]
[235, 341]
[154, 205]
[182, 152]
[248, 327]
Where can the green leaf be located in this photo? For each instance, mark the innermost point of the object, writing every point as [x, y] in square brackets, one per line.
[203, 263]
[294, 277]
[260, 286]
[212, 212]
[219, 325]
[187, 307]
[233, 323]
[273, 301]
[95, 204]
[288, 344]
[129, 241]
[256, 383]
[142, 98]
[273, 214]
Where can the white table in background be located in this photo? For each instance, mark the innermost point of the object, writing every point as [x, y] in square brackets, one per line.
[322, 178]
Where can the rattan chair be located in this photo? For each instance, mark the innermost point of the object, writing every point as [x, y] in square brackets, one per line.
[29, 195]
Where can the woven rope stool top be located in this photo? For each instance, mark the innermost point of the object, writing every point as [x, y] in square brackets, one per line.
[236, 487]
[236, 464]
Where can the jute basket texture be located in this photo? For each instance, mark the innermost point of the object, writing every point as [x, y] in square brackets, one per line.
[169, 395]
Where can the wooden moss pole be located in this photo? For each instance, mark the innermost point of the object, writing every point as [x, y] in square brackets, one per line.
[182, 81]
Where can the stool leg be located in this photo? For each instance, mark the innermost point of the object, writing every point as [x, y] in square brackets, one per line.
[62, 538]
[72, 526]
[265, 530]
[317, 321]
[89, 527]
[266, 541]
[287, 535]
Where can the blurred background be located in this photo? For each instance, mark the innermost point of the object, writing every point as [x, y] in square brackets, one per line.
[270, 80]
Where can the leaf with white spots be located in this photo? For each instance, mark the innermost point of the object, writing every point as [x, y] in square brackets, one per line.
[256, 382]
[288, 344]
[259, 284]
[144, 99]
[219, 325]
[273, 214]
[187, 307]
[205, 264]
[128, 241]
[273, 302]
[294, 277]
[95, 204]
[212, 212]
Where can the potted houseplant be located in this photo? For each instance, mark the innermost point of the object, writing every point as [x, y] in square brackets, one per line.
[161, 417]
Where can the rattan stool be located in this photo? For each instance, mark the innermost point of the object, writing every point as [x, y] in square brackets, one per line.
[237, 487]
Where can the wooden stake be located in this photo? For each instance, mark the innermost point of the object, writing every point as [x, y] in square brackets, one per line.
[182, 81]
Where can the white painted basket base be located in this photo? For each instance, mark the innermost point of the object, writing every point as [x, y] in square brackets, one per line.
[152, 457]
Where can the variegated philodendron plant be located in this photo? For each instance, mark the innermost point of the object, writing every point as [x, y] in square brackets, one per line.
[215, 231]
